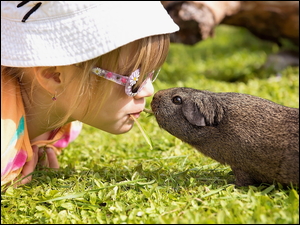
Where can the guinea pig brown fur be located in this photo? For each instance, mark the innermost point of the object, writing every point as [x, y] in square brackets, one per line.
[257, 138]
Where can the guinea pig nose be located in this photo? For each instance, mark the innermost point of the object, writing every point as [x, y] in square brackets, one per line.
[177, 100]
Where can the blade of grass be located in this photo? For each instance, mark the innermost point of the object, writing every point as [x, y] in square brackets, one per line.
[77, 195]
[148, 111]
[143, 132]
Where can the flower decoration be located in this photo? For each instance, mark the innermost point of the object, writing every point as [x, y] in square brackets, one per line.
[134, 77]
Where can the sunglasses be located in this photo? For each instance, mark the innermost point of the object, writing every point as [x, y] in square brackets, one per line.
[129, 82]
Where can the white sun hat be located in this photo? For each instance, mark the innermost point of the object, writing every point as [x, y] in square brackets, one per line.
[54, 33]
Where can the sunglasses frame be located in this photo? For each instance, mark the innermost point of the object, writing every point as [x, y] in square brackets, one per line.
[127, 81]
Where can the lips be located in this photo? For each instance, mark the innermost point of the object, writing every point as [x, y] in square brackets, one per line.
[136, 115]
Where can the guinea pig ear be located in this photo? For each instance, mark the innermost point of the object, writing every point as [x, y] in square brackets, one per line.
[192, 114]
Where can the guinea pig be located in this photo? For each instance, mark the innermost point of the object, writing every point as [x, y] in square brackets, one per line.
[257, 138]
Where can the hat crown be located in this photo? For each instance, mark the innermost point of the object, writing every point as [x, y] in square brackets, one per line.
[55, 33]
[16, 10]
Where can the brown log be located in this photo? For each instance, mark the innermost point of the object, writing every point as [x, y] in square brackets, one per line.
[268, 20]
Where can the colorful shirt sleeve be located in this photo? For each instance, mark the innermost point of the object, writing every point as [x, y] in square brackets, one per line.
[15, 144]
[16, 148]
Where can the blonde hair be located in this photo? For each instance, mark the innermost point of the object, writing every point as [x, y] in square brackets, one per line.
[147, 54]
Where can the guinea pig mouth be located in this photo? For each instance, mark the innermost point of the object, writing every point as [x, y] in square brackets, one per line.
[154, 106]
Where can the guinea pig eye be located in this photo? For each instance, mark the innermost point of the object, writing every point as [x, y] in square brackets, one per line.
[177, 100]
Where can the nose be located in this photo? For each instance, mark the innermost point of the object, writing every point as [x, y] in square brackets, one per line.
[147, 91]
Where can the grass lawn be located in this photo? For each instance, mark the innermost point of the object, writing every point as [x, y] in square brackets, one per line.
[117, 179]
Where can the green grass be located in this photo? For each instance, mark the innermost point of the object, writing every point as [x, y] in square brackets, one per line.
[114, 179]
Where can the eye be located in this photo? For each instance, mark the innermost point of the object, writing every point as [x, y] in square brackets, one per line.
[177, 100]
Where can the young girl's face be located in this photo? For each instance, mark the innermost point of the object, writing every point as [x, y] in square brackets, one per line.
[108, 107]
[114, 112]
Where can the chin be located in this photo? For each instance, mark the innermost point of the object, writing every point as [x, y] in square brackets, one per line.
[124, 129]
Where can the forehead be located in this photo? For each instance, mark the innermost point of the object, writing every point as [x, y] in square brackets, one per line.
[146, 54]
[128, 55]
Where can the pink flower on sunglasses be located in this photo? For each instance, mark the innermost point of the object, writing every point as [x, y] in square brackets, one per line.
[109, 75]
[124, 80]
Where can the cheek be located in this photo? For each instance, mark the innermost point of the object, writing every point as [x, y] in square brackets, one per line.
[111, 98]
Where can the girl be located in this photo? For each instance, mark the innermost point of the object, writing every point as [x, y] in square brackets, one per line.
[63, 62]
